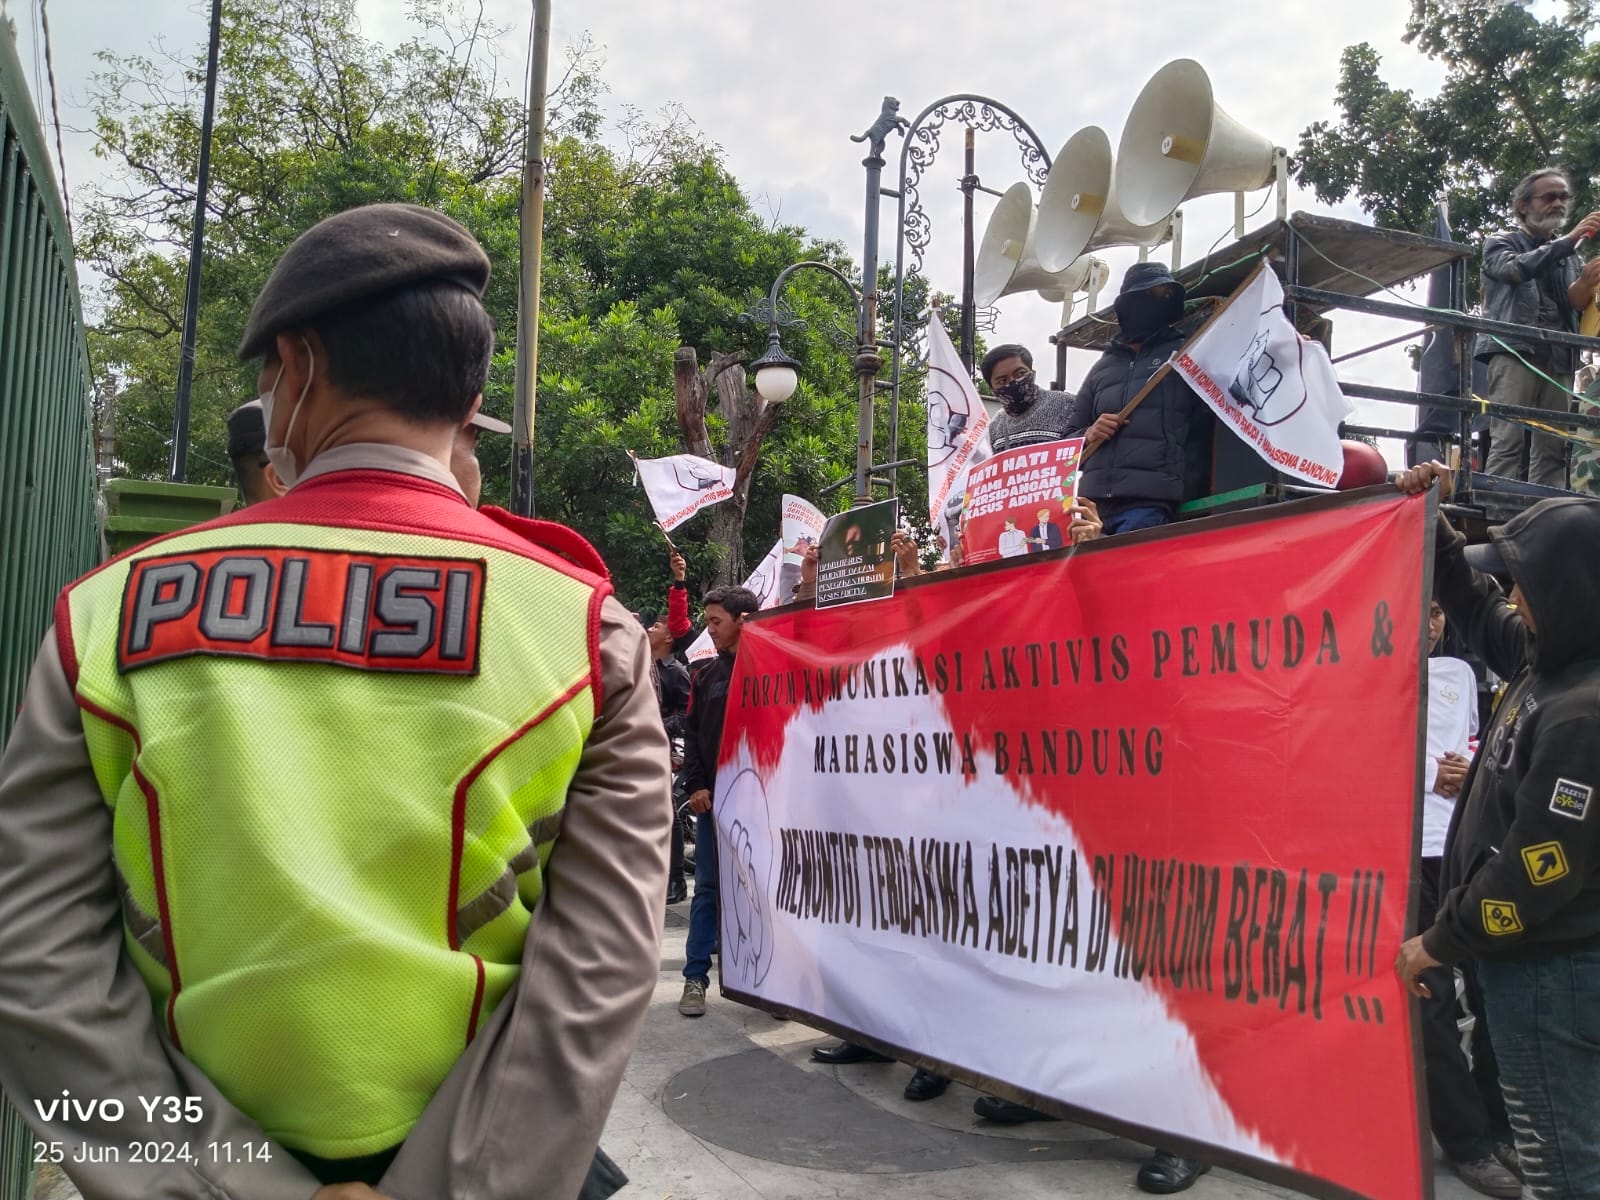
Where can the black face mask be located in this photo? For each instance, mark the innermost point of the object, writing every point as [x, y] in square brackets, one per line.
[1141, 314]
[1019, 395]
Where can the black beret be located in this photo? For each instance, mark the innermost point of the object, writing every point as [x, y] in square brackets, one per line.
[362, 253]
[247, 430]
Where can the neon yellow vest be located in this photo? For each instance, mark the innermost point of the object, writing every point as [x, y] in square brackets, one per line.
[328, 865]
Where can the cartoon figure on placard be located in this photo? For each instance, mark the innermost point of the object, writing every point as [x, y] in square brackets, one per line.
[1013, 542]
[1046, 535]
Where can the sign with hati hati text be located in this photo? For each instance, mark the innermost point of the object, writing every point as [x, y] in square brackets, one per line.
[1020, 502]
[1109, 802]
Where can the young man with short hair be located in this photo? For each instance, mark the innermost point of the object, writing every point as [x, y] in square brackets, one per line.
[725, 611]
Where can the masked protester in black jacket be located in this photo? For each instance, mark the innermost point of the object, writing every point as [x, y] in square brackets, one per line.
[1146, 464]
[1521, 874]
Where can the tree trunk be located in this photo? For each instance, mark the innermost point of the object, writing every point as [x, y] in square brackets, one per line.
[748, 417]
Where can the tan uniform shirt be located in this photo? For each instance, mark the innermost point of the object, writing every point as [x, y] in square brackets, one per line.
[521, 1113]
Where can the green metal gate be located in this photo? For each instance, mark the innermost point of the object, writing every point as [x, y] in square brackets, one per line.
[48, 531]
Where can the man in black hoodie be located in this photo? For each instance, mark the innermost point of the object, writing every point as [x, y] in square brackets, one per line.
[1521, 872]
[725, 609]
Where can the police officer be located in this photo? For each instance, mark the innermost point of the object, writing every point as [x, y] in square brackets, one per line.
[247, 446]
[344, 818]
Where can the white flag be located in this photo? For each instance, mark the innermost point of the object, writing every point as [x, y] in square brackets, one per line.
[763, 581]
[1274, 389]
[683, 484]
[958, 428]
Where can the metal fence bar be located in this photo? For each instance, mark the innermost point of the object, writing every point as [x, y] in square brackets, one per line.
[47, 476]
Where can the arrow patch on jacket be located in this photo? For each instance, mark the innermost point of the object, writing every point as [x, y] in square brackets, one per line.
[1571, 799]
[1546, 863]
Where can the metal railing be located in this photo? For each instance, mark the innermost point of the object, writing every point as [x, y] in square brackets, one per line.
[48, 531]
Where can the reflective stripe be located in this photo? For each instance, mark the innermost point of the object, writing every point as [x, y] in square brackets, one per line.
[144, 928]
[545, 829]
[497, 897]
[486, 906]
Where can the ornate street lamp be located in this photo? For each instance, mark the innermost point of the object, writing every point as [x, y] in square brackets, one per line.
[776, 374]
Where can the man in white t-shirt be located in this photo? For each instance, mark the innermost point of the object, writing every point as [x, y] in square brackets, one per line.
[1464, 1102]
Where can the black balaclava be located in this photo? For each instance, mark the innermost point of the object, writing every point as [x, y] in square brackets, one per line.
[1142, 313]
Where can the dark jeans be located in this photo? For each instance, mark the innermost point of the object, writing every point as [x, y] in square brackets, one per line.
[1139, 516]
[1464, 1101]
[703, 907]
[1545, 1017]
[675, 865]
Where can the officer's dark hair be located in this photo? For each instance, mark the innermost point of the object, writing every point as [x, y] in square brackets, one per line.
[1524, 191]
[999, 354]
[735, 601]
[422, 351]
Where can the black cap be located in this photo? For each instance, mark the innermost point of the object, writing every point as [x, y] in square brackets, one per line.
[359, 254]
[247, 430]
[1141, 277]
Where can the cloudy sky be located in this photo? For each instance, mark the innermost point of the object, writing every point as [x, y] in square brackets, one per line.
[781, 87]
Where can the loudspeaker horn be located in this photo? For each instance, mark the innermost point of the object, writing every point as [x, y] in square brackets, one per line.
[1178, 144]
[1078, 210]
[1006, 262]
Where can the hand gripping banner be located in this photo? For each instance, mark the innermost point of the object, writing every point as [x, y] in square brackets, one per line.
[1124, 832]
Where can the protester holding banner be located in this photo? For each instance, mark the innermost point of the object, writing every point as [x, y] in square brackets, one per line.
[1031, 414]
[1139, 466]
[1521, 871]
[1464, 1102]
[725, 609]
[678, 622]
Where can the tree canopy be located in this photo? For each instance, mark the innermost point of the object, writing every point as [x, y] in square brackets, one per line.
[649, 244]
[1519, 94]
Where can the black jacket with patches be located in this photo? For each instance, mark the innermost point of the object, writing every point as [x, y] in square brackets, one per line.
[1163, 454]
[702, 730]
[1521, 872]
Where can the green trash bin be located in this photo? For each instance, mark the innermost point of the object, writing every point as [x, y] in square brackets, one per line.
[141, 509]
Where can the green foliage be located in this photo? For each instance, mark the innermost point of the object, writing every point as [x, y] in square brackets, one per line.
[1519, 94]
[647, 246]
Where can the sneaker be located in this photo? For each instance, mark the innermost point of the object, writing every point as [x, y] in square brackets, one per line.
[1489, 1176]
[1507, 1154]
[693, 1003]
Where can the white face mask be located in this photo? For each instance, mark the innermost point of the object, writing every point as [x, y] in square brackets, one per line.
[279, 456]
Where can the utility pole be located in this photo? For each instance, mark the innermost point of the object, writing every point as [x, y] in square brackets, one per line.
[533, 176]
[177, 469]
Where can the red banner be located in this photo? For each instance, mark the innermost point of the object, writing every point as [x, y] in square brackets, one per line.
[1149, 806]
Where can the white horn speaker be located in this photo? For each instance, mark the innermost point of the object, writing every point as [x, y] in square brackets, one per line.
[1078, 210]
[1178, 144]
[1006, 262]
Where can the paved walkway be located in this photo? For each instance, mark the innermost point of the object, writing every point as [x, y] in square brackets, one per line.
[729, 1107]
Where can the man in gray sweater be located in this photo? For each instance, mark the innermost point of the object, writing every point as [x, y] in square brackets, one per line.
[1032, 414]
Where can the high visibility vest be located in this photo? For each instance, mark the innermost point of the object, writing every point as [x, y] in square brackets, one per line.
[336, 754]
